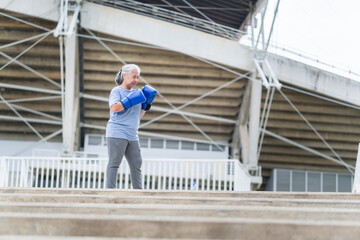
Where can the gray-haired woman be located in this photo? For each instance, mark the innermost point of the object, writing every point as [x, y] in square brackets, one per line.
[127, 106]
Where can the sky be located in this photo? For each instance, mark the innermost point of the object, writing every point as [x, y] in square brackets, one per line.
[326, 30]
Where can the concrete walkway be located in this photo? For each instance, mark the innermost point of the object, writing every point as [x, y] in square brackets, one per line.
[134, 214]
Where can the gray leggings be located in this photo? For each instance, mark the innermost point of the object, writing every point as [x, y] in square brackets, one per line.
[117, 147]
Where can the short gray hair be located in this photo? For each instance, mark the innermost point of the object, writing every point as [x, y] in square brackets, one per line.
[126, 69]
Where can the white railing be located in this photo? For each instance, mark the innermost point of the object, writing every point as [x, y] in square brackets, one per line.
[158, 174]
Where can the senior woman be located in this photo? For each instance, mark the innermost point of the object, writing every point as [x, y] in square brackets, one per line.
[127, 106]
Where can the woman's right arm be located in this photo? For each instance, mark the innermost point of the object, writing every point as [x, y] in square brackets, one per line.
[114, 101]
[117, 107]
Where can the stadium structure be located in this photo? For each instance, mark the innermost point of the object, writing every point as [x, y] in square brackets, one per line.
[245, 140]
[224, 96]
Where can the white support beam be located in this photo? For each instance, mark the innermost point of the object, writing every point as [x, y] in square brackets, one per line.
[71, 106]
[240, 136]
[314, 79]
[168, 35]
[254, 121]
[243, 127]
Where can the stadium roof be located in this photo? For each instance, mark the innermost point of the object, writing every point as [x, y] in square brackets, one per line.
[223, 18]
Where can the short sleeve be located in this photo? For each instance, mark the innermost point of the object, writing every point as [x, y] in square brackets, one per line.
[114, 97]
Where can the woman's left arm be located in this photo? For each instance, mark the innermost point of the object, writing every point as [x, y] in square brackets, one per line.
[142, 113]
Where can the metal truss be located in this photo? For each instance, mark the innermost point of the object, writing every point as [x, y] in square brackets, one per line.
[260, 44]
[301, 146]
[259, 47]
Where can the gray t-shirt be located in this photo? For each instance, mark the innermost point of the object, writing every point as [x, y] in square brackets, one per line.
[123, 124]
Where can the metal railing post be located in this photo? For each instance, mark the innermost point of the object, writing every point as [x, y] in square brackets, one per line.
[4, 173]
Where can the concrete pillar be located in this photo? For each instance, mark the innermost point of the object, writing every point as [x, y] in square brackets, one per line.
[254, 121]
[71, 110]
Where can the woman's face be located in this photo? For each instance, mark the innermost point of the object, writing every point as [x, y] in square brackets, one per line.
[132, 79]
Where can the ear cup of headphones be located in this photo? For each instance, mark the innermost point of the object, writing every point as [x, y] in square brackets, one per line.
[119, 78]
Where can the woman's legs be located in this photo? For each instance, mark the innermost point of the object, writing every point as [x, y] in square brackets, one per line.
[116, 150]
[133, 156]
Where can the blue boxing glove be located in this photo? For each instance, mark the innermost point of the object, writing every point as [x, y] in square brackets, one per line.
[135, 97]
[150, 94]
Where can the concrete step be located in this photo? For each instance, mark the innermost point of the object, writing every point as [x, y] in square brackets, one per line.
[219, 211]
[174, 227]
[139, 214]
[296, 195]
[185, 200]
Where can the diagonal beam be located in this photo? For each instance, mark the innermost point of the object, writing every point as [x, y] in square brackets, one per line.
[33, 111]
[33, 120]
[25, 88]
[206, 17]
[26, 22]
[19, 115]
[37, 143]
[32, 99]
[27, 49]
[23, 40]
[313, 128]
[192, 101]
[195, 115]
[161, 109]
[348, 166]
[31, 69]
[198, 11]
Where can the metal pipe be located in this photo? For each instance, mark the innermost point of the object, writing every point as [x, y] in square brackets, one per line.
[34, 111]
[192, 101]
[21, 117]
[27, 49]
[30, 69]
[273, 76]
[161, 109]
[272, 25]
[34, 120]
[349, 167]
[266, 120]
[321, 97]
[73, 20]
[23, 40]
[262, 24]
[13, 86]
[262, 75]
[312, 127]
[35, 144]
[26, 22]
[61, 45]
[32, 99]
